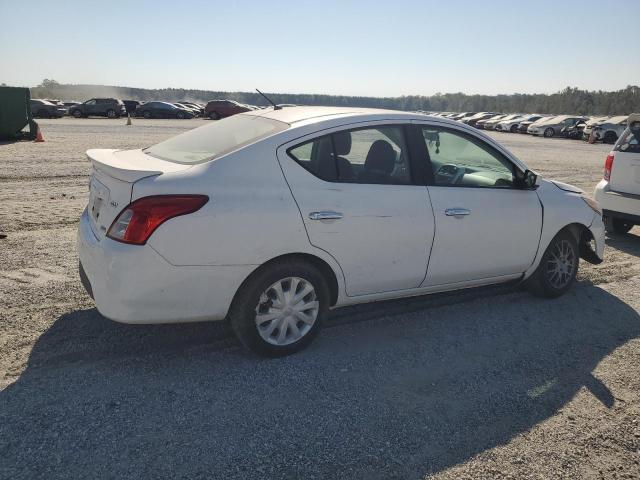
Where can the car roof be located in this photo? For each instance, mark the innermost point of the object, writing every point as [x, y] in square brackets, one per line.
[293, 115]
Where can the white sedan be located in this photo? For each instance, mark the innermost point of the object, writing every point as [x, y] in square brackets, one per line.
[272, 217]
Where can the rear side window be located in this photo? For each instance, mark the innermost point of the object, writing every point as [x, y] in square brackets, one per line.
[629, 141]
[370, 155]
[216, 139]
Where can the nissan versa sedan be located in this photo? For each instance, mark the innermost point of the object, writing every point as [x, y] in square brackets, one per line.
[272, 217]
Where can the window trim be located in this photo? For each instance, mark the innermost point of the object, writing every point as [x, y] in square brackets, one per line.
[477, 141]
[412, 160]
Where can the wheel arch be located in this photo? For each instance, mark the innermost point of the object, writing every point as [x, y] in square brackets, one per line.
[325, 269]
[584, 239]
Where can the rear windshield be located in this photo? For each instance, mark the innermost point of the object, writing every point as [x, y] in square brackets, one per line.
[628, 142]
[216, 139]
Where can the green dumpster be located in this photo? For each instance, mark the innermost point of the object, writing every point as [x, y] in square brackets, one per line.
[15, 114]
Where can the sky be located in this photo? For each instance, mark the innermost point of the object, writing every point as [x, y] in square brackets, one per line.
[326, 46]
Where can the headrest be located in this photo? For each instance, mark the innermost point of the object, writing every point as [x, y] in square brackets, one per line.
[342, 141]
[381, 157]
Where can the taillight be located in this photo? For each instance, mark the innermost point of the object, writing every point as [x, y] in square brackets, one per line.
[139, 219]
[608, 165]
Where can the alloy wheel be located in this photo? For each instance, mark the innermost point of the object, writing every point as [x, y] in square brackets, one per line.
[561, 264]
[286, 311]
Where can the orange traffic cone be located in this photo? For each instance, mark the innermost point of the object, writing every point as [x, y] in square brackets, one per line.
[39, 137]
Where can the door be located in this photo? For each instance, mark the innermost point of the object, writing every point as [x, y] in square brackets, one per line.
[90, 107]
[358, 201]
[486, 225]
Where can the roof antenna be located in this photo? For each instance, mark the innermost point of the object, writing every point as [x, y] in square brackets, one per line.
[275, 107]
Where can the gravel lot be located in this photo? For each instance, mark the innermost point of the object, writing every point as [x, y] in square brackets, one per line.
[487, 383]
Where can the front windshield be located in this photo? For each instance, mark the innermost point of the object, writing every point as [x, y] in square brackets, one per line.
[216, 139]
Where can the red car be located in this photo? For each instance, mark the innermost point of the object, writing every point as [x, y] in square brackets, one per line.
[217, 109]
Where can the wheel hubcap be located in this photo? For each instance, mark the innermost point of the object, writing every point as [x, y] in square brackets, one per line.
[561, 264]
[287, 311]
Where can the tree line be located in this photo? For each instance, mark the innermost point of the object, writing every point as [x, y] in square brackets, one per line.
[569, 100]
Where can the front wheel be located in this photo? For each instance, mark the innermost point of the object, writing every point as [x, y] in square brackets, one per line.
[214, 116]
[514, 129]
[111, 113]
[549, 132]
[280, 309]
[146, 114]
[616, 225]
[180, 115]
[558, 267]
[77, 114]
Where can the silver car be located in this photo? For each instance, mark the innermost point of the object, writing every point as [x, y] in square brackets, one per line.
[553, 126]
[607, 130]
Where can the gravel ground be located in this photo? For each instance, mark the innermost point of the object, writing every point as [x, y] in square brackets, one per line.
[487, 383]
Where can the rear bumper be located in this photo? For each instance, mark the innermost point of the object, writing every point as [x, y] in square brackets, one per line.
[134, 284]
[617, 203]
[597, 230]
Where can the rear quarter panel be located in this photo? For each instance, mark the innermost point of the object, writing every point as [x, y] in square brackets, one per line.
[251, 216]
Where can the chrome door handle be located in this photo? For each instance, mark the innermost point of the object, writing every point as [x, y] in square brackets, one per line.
[325, 215]
[457, 212]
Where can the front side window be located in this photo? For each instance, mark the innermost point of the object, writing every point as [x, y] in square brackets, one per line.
[90, 102]
[370, 155]
[459, 160]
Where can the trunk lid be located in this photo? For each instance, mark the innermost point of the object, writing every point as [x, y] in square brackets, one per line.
[112, 177]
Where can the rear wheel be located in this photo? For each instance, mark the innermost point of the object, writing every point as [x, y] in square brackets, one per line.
[180, 115]
[77, 114]
[610, 137]
[617, 225]
[146, 114]
[558, 267]
[513, 129]
[111, 113]
[280, 309]
[549, 132]
[214, 115]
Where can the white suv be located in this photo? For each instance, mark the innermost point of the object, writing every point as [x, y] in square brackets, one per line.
[619, 191]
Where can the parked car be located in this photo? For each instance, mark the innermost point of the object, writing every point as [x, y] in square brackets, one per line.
[552, 127]
[511, 125]
[45, 109]
[99, 107]
[493, 122]
[481, 123]
[271, 217]
[619, 190]
[217, 109]
[523, 127]
[190, 108]
[131, 106]
[607, 130]
[69, 104]
[199, 108]
[575, 131]
[473, 120]
[163, 110]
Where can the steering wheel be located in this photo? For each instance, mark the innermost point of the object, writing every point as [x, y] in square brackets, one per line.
[449, 174]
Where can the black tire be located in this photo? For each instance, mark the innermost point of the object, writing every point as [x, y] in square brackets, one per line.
[43, 114]
[111, 113]
[214, 116]
[544, 281]
[146, 114]
[549, 132]
[514, 129]
[77, 113]
[616, 225]
[242, 313]
[610, 138]
[180, 116]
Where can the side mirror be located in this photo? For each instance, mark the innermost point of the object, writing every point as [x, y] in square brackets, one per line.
[529, 179]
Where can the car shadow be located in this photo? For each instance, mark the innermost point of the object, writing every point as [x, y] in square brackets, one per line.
[403, 392]
[628, 243]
